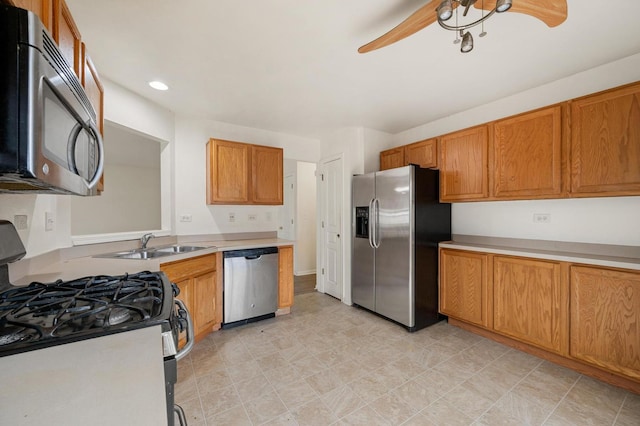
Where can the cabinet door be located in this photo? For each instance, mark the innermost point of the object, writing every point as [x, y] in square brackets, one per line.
[527, 153]
[392, 158]
[285, 277]
[465, 286]
[605, 318]
[42, 8]
[529, 302]
[266, 175]
[204, 309]
[67, 35]
[423, 153]
[228, 172]
[605, 143]
[463, 165]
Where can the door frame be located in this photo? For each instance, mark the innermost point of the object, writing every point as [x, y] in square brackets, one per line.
[321, 242]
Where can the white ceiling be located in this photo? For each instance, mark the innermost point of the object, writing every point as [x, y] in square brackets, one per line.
[292, 66]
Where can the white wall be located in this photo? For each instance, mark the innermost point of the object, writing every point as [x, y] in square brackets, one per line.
[304, 261]
[610, 220]
[190, 176]
[130, 189]
[374, 142]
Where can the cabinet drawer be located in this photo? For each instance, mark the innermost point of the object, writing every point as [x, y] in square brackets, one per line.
[181, 269]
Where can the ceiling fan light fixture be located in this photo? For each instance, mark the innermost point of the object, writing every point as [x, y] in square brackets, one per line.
[467, 43]
[503, 5]
[445, 10]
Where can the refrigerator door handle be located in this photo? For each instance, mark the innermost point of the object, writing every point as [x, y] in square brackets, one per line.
[370, 223]
[376, 213]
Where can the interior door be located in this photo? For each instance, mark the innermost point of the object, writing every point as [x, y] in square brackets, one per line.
[332, 227]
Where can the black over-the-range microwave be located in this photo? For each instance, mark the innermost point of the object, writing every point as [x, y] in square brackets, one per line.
[49, 140]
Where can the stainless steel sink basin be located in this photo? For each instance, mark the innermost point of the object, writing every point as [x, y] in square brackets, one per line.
[146, 254]
[178, 249]
[152, 252]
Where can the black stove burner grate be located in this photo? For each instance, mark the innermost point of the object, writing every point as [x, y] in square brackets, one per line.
[86, 305]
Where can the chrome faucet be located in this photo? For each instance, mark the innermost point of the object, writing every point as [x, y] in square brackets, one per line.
[145, 239]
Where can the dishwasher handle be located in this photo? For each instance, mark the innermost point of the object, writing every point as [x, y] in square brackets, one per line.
[250, 254]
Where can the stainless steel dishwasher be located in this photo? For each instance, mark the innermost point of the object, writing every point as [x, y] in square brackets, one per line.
[250, 285]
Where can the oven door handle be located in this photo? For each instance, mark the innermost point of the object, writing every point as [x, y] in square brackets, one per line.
[183, 311]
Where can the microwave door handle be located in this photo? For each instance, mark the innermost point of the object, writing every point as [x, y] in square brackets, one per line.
[96, 177]
[71, 148]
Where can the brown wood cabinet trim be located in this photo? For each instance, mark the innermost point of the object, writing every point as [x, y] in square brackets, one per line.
[61, 12]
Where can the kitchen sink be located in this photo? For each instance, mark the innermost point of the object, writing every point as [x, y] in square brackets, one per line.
[178, 249]
[150, 253]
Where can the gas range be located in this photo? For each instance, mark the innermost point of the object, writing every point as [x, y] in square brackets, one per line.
[100, 327]
[45, 314]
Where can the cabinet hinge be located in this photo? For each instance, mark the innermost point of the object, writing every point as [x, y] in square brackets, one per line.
[322, 271]
[322, 224]
[322, 176]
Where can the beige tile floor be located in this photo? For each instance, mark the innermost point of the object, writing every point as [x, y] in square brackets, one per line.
[328, 363]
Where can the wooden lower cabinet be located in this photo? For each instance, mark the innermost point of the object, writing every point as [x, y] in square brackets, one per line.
[285, 277]
[605, 318]
[582, 317]
[197, 279]
[530, 301]
[465, 286]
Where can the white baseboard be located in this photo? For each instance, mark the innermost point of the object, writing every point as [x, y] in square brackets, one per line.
[309, 272]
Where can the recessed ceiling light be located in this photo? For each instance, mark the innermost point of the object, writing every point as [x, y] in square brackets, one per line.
[158, 85]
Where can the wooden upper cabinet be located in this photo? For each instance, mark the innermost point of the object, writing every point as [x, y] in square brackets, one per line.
[266, 175]
[228, 169]
[423, 153]
[465, 286]
[605, 313]
[527, 155]
[93, 87]
[42, 8]
[392, 158]
[464, 165]
[530, 302]
[240, 173]
[605, 143]
[67, 36]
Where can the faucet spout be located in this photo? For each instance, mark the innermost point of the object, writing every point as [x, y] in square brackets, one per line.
[145, 239]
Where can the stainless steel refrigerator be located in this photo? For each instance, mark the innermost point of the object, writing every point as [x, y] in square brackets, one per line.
[398, 222]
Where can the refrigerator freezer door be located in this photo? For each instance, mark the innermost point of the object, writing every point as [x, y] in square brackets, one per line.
[394, 292]
[363, 259]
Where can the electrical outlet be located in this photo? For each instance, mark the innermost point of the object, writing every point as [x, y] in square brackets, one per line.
[541, 218]
[20, 221]
[253, 217]
[49, 221]
[186, 218]
[232, 217]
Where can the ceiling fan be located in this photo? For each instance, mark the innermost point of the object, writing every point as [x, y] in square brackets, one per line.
[551, 12]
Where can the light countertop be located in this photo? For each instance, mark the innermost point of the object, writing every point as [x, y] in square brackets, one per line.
[614, 256]
[80, 261]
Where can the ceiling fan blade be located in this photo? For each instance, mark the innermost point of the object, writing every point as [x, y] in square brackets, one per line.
[421, 18]
[551, 12]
